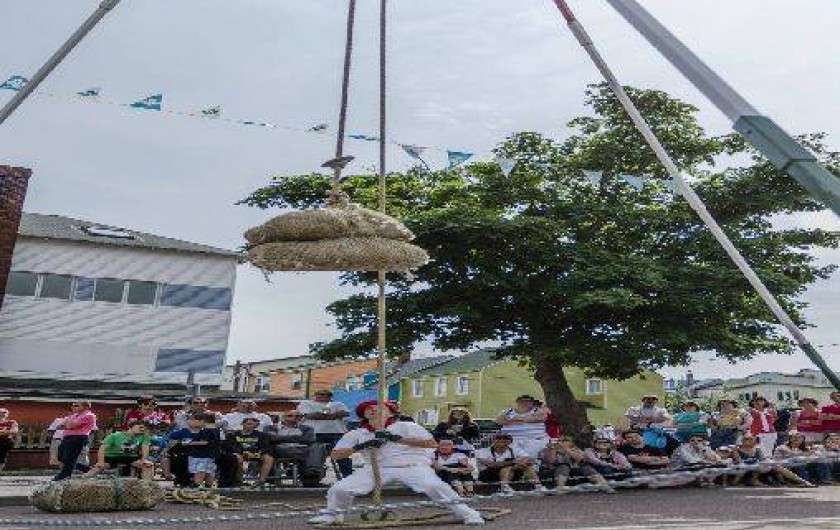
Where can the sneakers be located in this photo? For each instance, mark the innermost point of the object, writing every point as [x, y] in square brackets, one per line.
[327, 519]
[540, 488]
[474, 520]
[505, 489]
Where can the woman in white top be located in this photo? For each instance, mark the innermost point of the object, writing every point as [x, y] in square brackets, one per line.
[525, 424]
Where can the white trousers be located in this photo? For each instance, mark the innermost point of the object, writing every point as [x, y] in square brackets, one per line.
[421, 479]
[767, 443]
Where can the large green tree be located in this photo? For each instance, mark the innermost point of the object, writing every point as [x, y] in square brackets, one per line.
[560, 273]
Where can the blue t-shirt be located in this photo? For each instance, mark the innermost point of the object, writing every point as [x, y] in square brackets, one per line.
[211, 436]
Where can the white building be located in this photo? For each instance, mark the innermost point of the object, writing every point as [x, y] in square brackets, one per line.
[781, 389]
[86, 301]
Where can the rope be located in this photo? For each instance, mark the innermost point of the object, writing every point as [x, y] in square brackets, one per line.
[338, 165]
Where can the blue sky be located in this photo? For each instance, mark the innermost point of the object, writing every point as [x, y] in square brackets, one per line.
[463, 74]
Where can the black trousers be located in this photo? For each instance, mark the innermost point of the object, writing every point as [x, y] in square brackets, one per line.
[68, 453]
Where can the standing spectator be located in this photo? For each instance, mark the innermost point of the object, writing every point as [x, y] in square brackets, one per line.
[77, 427]
[563, 459]
[148, 412]
[807, 420]
[648, 415]
[329, 420]
[795, 447]
[245, 409]
[503, 462]
[8, 434]
[729, 423]
[296, 442]
[525, 424]
[251, 445]
[202, 448]
[763, 418]
[607, 461]
[127, 451]
[197, 405]
[690, 421]
[830, 414]
[643, 456]
[453, 467]
[459, 428]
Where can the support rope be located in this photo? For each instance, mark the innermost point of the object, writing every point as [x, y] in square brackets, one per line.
[338, 163]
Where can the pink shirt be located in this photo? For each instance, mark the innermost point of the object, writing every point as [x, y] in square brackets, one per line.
[79, 424]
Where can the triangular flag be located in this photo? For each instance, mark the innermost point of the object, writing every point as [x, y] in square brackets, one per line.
[507, 164]
[456, 158]
[16, 82]
[320, 128]
[364, 137]
[414, 151]
[90, 93]
[212, 112]
[153, 102]
[636, 182]
[594, 177]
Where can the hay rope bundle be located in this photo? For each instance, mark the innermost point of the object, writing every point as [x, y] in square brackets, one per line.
[97, 495]
[207, 499]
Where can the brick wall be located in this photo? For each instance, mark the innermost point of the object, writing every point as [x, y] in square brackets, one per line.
[13, 184]
[322, 377]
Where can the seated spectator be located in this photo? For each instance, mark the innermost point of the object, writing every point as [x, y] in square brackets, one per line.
[648, 415]
[250, 445]
[197, 405]
[297, 442]
[828, 470]
[563, 459]
[502, 463]
[126, 451]
[525, 424]
[246, 408]
[8, 435]
[788, 452]
[807, 421]
[201, 445]
[146, 411]
[697, 454]
[459, 428]
[690, 421]
[453, 467]
[607, 461]
[643, 456]
[763, 423]
[749, 452]
[728, 424]
[830, 414]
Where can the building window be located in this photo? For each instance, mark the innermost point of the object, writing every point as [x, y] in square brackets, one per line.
[141, 293]
[796, 395]
[780, 397]
[417, 387]
[262, 383]
[84, 289]
[354, 382]
[196, 296]
[426, 417]
[22, 283]
[594, 387]
[440, 386]
[297, 381]
[462, 385]
[56, 286]
[108, 290]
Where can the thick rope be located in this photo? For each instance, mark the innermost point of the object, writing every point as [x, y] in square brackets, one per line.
[342, 113]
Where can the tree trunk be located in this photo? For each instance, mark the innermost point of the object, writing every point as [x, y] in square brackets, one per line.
[560, 399]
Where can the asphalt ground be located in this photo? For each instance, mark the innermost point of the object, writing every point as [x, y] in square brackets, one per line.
[675, 509]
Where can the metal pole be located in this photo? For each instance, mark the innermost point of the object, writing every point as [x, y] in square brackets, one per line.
[693, 199]
[381, 312]
[763, 133]
[57, 57]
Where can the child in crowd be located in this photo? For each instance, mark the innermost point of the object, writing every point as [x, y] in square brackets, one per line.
[127, 451]
[202, 445]
[453, 467]
[607, 461]
[562, 459]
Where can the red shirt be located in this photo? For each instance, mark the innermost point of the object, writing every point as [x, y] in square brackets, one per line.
[155, 417]
[8, 425]
[831, 425]
[757, 427]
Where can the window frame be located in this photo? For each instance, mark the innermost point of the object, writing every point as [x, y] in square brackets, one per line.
[589, 382]
[127, 294]
[296, 381]
[465, 389]
[437, 388]
[36, 289]
[418, 384]
[122, 293]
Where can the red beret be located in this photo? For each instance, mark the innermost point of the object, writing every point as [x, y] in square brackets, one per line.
[364, 405]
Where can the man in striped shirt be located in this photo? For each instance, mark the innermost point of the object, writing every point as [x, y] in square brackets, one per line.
[525, 424]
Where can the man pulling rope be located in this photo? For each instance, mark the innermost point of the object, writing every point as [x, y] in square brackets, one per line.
[400, 457]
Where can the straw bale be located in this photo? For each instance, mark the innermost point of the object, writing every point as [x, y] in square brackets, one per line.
[349, 254]
[328, 223]
[96, 495]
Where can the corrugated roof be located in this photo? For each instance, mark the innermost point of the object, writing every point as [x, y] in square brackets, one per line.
[414, 366]
[470, 362]
[42, 226]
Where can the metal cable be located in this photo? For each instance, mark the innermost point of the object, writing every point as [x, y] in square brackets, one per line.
[345, 90]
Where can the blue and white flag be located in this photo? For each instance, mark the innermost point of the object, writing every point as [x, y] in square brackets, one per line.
[507, 165]
[636, 182]
[414, 151]
[153, 102]
[594, 177]
[364, 137]
[212, 112]
[320, 128]
[16, 82]
[90, 93]
[456, 158]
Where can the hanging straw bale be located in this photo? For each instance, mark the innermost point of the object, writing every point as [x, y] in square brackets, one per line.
[351, 221]
[96, 495]
[347, 254]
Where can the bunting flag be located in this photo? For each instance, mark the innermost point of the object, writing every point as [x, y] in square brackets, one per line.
[414, 151]
[212, 112]
[594, 177]
[363, 137]
[507, 165]
[456, 158]
[16, 82]
[320, 128]
[153, 102]
[94, 92]
[636, 182]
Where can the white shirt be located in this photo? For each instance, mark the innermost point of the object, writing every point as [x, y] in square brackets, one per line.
[452, 459]
[55, 426]
[488, 454]
[324, 426]
[392, 454]
[524, 431]
[232, 421]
